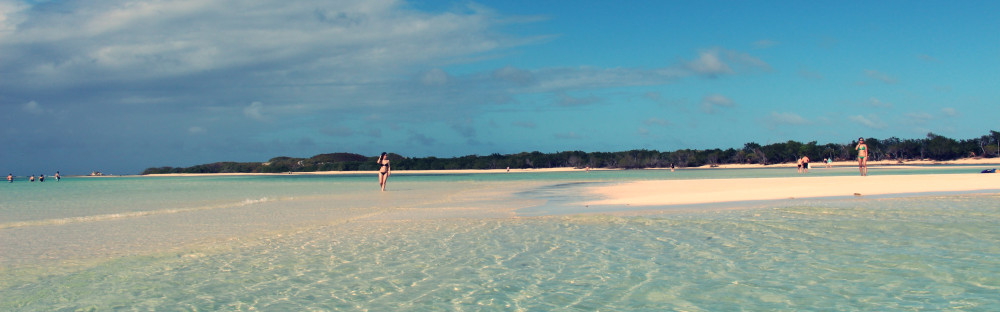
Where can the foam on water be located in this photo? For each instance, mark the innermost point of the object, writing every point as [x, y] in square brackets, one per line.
[438, 245]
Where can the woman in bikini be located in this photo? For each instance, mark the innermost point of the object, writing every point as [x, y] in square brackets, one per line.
[862, 156]
[383, 170]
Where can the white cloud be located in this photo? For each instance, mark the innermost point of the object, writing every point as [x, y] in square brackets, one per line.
[196, 130]
[33, 108]
[713, 62]
[314, 41]
[11, 14]
[871, 121]
[709, 64]
[254, 111]
[711, 103]
[746, 61]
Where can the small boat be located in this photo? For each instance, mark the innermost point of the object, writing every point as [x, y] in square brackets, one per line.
[994, 170]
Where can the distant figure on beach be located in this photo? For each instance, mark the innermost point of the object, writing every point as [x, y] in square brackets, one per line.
[829, 162]
[10, 178]
[671, 167]
[862, 156]
[508, 169]
[588, 168]
[383, 170]
[32, 178]
[57, 176]
[805, 164]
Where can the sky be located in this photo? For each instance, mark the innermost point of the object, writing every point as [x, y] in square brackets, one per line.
[120, 86]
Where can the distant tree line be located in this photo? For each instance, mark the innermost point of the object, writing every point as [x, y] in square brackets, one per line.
[932, 147]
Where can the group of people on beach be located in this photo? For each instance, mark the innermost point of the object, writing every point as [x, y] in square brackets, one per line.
[862, 148]
[41, 177]
[803, 164]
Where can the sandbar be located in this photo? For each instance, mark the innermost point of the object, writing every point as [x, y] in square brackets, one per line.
[373, 172]
[682, 192]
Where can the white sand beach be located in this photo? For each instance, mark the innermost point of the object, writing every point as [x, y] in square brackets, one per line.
[677, 192]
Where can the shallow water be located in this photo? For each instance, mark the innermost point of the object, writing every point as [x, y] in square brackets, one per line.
[453, 243]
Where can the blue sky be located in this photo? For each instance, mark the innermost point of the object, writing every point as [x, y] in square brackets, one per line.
[119, 86]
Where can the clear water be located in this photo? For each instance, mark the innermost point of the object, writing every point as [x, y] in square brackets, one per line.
[467, 242]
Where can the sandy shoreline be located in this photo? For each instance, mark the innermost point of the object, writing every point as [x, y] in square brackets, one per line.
[818, 163]
[815, 164]
[456, 171]
[681, 192]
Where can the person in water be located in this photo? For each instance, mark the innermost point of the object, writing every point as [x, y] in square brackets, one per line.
[10, 178]
[862, 156]
[57, 176]
[383, 170]
[41, 178]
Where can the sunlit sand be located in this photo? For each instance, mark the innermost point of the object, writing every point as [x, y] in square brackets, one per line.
[678, 192]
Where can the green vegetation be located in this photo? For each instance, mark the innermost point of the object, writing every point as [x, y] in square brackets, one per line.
[933, 147]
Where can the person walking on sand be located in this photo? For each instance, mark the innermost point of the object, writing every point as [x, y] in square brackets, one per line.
[862, 156]
[383, 170]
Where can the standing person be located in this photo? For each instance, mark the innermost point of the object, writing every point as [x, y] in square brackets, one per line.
[41, 178]
[10, 178]
[32, 178]
[862, 156]
[805, 164]
[57, 176]
[383, 170]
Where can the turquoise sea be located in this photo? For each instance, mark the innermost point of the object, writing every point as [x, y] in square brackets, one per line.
[486, 242]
